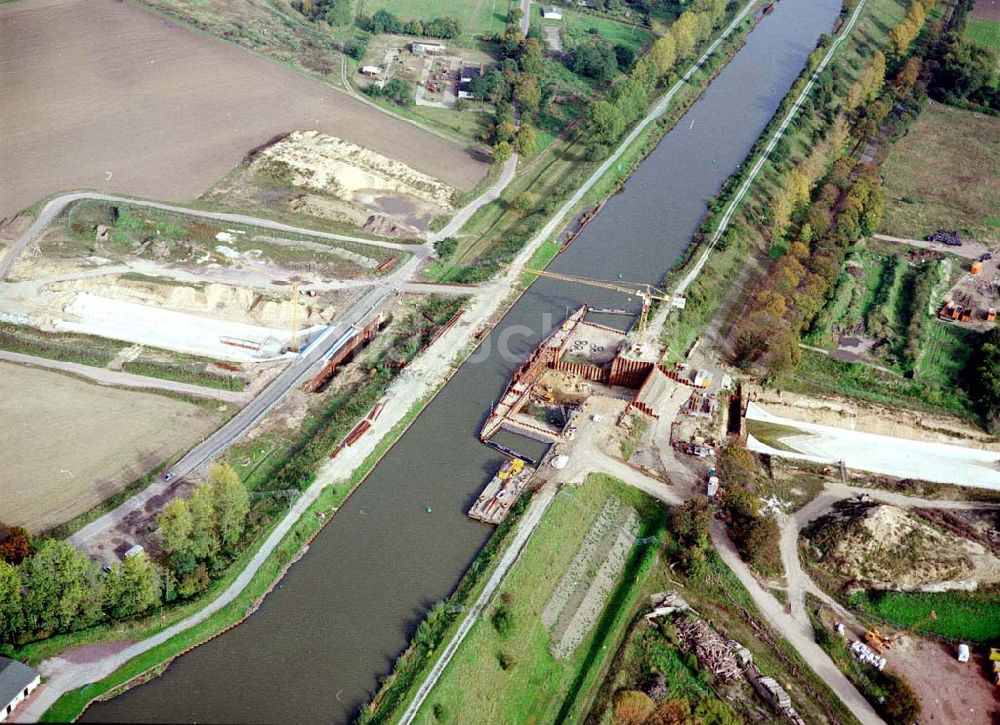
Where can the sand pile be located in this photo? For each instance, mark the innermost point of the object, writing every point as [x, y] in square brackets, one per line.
[315, 161]
[220, 301]
[886, 547]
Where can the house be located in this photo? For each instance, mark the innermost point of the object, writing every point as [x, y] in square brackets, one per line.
[419, 48]
[17, 681]
[370, 71]
[465, 77]
[550, 12]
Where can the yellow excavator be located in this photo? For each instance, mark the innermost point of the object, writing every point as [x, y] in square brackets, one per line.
[880, 642]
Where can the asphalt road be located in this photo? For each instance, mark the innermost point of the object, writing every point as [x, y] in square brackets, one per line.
[312, 358]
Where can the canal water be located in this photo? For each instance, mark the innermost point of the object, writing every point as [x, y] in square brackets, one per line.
[317, 646]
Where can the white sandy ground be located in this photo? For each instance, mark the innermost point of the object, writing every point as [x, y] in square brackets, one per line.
[898, 457]
[156, 327]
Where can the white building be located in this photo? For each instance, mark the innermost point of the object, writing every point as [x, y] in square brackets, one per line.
[551, 13]
[17, 681]
[371, 71]
[419, 48]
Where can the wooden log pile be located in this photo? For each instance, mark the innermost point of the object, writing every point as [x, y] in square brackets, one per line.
[712, 651]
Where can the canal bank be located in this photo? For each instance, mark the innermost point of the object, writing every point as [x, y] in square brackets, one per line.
[337, 621]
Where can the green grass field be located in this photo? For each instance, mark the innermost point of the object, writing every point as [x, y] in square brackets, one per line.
[960, 615]
[537, 687]
[479, 17]
[983, 31]
[578, 25]
[929, 182]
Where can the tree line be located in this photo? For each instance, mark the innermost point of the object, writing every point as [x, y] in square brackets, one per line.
[606, 120]
[341, 12]
[47, 587]
[827, 213]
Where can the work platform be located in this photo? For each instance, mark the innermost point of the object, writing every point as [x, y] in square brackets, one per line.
[503, 490]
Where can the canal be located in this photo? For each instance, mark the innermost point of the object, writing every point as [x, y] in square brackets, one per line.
[317, 646]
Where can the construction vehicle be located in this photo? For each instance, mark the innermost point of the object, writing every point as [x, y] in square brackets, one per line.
[645, 292]
[880, 642]
[995, 664]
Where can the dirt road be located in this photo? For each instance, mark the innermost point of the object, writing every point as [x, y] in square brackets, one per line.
[970, 249]
[126, 380]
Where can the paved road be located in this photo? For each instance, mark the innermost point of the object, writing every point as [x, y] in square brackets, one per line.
[56, 206]
[127, 380]
[298, 371]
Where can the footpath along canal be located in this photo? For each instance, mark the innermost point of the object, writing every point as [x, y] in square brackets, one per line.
[320, 641]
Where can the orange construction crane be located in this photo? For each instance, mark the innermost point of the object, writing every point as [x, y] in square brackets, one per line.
[645, 292]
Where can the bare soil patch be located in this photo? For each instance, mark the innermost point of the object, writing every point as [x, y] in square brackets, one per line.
[108, 96]
[69, 444]
[950, 691]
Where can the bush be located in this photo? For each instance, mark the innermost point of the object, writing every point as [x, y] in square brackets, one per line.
[633, 707]
[356, 48]
[502, 619]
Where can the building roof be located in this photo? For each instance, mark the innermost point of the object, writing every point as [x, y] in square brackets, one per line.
[551, 11]
[14, 677]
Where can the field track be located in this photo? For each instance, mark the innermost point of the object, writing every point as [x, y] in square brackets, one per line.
[104, 95]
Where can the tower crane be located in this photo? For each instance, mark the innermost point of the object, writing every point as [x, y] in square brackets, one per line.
[645, 292]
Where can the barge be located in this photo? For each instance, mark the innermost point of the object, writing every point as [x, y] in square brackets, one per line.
[503, 490]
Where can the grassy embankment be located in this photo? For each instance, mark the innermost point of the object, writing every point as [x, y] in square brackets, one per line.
[477, 684]
[296, 459]
[728, 278]
[495, 234]
[587, 681]
[98, 352]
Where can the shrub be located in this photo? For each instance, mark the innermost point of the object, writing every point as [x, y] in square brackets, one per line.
[632, 707]
[502, 620]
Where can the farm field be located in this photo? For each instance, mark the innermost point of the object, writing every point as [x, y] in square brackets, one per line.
[86, 442]
[479, 17]
[67, 64]
[930, 184]
[983, 31]
[497, 677]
